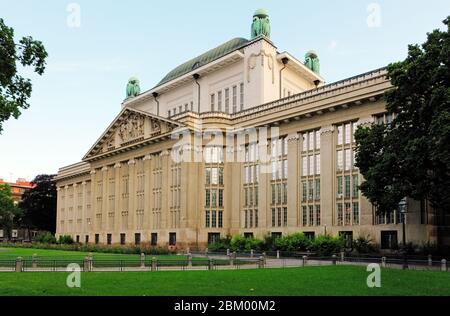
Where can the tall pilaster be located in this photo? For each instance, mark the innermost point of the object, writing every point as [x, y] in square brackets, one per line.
[165, 189]
[58, 210]
[117, 197]
[83, 208]
[327, 177]
[93, 199]
[263, 186]
[105, 199]
[292, 182]
[132, 195]
[147, 192]
[74, 214]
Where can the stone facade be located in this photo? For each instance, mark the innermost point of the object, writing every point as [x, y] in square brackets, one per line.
[132, 186]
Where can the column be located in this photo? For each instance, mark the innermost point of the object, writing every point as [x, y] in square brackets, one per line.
[132, 196]
[165, 189]
[263, 187]
[327, 176]
[93, 204]
[233, 190]
[58, 210]
[75, 209]
[148, 192]
[65, 217]
[293, 178]
[105, 199]
[117, 199]
[83, 210]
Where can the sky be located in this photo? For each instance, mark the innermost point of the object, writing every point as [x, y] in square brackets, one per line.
[95, 46]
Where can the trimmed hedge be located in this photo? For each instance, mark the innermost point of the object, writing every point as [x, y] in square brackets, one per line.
[115, 249]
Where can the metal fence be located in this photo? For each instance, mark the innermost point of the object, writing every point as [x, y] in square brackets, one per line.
[211, 261]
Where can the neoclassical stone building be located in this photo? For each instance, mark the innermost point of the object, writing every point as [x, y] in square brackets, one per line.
[243, 139]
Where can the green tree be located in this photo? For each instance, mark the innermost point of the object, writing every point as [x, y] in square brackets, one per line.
[39, 204]
[9, 212]
[411, 156]
[15, 90]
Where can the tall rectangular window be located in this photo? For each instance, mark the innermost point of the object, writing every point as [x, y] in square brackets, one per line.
[227, 100]
[213, 102]
[241, 100]
[234, 99]
[219, 101]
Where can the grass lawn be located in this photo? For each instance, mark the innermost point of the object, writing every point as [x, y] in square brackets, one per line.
[327, 280]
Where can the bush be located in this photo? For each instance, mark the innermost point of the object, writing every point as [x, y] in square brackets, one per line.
[364, 245]
[66, 240]
[326, 245]
[294, 242]
[240, 243]
[46, 238]
[222, 245]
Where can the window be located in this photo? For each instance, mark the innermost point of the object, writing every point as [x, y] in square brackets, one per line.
[213, 98]
[219, 101]
[234, 99]
[304, 216]
[340, 160]
[248, 235]
[389, 240]
[213, 238]
[277, 235]
[77, 240]
[137, 239]
[172, 239]
[108, 239]
[86, 239]
[241, 100]
[97, 239]
[310, 235]
[355, 190]
[347, 186]
[227, 100]
[154, 239]
[355, 213]
[122, 239]
[208, 219]
[348, 238]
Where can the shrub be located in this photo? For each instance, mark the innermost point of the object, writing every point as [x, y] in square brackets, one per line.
[326, 245]
[46, 238]
[364, 245]
[240, 243]
[294, 242]
[221, 245]
[66, 240]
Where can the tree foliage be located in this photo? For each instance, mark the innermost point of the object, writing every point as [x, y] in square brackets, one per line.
[9, 212]
[39, 204]
[15, 90]
[411, 156]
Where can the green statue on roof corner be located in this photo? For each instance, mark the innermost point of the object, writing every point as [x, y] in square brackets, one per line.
[133, 88]
[312, 61]
[261, 24]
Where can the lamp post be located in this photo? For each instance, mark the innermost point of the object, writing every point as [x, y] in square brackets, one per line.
[402, 206]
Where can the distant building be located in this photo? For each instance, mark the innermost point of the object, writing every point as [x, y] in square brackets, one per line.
[18, 188]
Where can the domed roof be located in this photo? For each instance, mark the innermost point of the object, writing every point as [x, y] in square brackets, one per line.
[262, 13]
[204, 59]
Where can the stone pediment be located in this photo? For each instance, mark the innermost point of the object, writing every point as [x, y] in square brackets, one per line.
[131, 126]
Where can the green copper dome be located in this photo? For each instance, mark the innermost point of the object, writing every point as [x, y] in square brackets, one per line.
[204, 59]
[261, 13]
